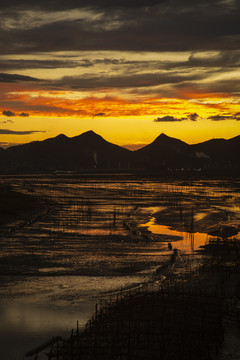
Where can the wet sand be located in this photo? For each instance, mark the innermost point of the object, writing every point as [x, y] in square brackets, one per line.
[94, 237]
[187, 311]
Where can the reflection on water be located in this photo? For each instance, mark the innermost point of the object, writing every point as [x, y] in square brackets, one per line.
[25, 326]
[189, 241]
[47, 307]
[89, 226]
[199, 216]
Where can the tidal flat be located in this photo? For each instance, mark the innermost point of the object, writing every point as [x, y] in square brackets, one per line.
[73, 241]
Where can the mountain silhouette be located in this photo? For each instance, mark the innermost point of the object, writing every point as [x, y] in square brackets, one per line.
[234, 140]
[219, 153]
[98, 153]
[163, 152]
[86, 151]
[90, 151]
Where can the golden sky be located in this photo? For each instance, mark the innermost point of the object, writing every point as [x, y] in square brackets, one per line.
[128, 71]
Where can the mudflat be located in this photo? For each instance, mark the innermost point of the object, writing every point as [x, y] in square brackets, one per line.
[91, 236]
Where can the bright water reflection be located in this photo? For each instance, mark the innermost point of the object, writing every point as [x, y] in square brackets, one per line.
[26, 326]
[188, 243]
[40, 308]
[78, 234]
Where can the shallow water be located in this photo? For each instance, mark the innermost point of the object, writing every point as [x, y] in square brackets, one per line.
[25, 326]
[36, 309]
[189, 242]
[95, 230]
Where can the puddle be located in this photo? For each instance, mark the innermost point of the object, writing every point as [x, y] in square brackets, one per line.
[53, 269]
[78, 233]
[199, 216]
[26, 326]
[190, 241]
[47, 307]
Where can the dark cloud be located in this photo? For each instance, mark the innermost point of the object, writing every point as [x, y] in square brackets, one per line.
[224, 117]
[132, 74]
[42, 64]
[168, 118]
[37, 28]
[8, 144]
[12, 78]
[7, 121]
[230, 86]
[8, 113]
[98, 114]
[226, 59]
[12, 132]
[124, 81]
[11, 113]
[72, 4]
[193, 117]
[169, 25]
[220, 117]
[85, 63]
[37, 108]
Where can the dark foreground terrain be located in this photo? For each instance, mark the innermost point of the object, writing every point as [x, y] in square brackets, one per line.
[15, 205]
[188, 310]
[78, 240]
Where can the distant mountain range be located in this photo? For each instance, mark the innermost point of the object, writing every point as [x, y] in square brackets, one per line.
[89, 151]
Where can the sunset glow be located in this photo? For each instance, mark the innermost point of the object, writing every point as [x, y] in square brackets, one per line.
[80, 68]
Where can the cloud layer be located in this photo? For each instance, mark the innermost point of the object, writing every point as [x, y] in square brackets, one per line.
[169, 118]
[10, 113]
[172, 61]
[168, 25]
[13, 132]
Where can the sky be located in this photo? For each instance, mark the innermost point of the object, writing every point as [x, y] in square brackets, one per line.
[128, 70]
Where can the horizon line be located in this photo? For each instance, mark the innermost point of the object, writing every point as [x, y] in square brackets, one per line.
[126, 146]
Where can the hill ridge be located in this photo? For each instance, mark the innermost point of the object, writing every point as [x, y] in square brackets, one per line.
[90, 150]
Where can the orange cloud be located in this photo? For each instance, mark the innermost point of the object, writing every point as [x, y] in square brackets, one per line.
[60, 104]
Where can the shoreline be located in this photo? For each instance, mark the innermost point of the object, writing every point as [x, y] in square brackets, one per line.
[190, 292]
[64, 245]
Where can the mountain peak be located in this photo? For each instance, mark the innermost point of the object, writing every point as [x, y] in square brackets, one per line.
[235, 138]
[91, 151]
[61, 136]
[89, 134]
[164, 146]
[89, 137]
[163, 138]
